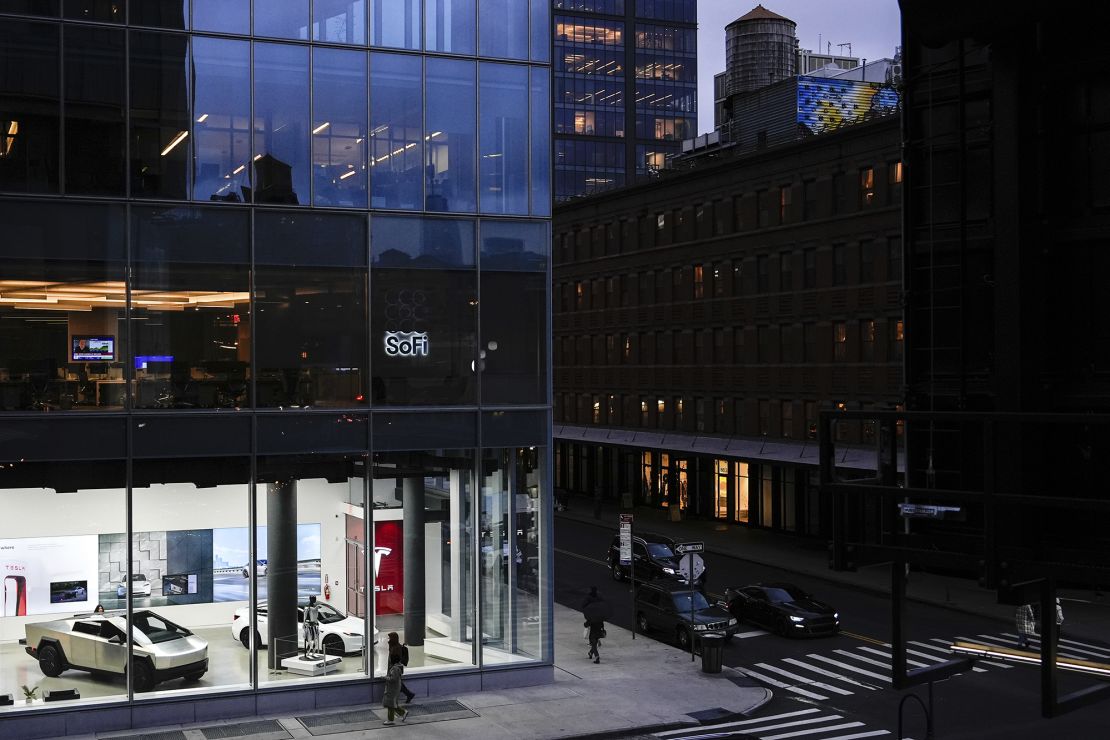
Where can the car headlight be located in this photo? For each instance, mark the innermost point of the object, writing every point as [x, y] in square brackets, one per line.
[700, 627]
[669, 571]
[732, 622]
[797, 619]
[836, 615]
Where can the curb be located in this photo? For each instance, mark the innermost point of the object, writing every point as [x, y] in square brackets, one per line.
[639, 730]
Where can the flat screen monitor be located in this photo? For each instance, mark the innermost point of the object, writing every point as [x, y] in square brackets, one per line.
[180, 584]
[142, 361]
[93, 348]
[67, 592]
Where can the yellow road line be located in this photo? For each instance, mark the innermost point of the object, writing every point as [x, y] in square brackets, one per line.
[581, 557]
[872, 640]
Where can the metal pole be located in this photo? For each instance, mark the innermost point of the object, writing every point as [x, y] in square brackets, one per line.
[690, 580]
[632, 575]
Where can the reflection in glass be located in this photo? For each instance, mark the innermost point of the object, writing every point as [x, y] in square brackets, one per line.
[339, 21]
[339, 127]
[106, 11]
[287, 19]
[29, 122]
[541, 141]
[540, 25]
[160, 118]
[31, 7]
[221, 119]
[503, 99]
[226, 16]
[449, 26]
[396, 138]
[160, 13]
[395, 23]
[450, 132]
[281, 124]
[503, 28]
[190, 308]
[95, 110]
[310, 299]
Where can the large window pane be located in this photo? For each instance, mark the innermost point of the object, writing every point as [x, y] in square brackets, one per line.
[31, 7]
[339, 127]
[514, 312]
[29, 121]
[63, 555]
[95, 107]
[61, 315]
[396, 136]
[503, 28]
[449, 26]
[450, 132]
[395, 23]
[310, 301]
[160, 13]
[340, 21]
[503, 91]
[540, 25]
[304, 506]
[287, 19]
[422, 557]
[221, 112]
[160, 119]
[187, 584]
[227, 16]
[281, 124]
[423, 312]
[108, 11]
[541, 141]
[190, 308]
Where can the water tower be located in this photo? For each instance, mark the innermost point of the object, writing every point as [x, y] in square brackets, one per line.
[760, 48]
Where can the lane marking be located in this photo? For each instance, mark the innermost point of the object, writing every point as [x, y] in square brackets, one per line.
[753, 633]
[830, 674]
[865, 638]
[802, 679]
[947, 655]
[847, 667]
[781, 685]
[799, 733]
[1093, 652]
[1003, 643]
[740, 723]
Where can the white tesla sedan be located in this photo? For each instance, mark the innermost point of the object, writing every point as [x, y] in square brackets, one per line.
[140, 586]
[339, 633]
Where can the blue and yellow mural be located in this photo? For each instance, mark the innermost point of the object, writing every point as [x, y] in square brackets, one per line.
[827, 104]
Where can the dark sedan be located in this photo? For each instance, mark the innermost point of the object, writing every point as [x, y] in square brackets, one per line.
[680, 612]
[782, 608]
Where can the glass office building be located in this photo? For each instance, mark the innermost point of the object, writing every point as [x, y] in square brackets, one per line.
[274, 321]
[625, 90]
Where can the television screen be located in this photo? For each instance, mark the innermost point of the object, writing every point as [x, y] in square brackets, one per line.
[102, 349]
[65, 592]
[179, 585]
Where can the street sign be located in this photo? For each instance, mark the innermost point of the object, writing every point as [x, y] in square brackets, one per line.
[685, 547]
[626, 539]
[926, 511]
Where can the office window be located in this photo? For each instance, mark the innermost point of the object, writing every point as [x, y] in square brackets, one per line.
[738, 356]
[699, 414]
[595, 410]
[839, 194]
[894, 259]
[720, 410]
[449, 26]
[866, 261]
[719, 276]
[503, 141]
[676, 283]
[227, 16]
[897, 339]
[722, 216]
[840, 264]
[95, 109]
[894, 182]
[679, 413]
[786, 271]
[450, 171]
[626, 349]
[281, 135]
[628, 288]
[394, 23]
[840, 341]
[339, 127]
[809, 268]
[699, 282]
[579, 295]
[611, 410]
[597, 294]
[503, 29]
[764, 408]
[737, 277]
[809, 199]
[809, 342]
[762, 274]
[739, 223]
[787, 419]
[867, 340]
[703, 218]
[763, 209]
[29, 135]
[610, 349]
[866, 187]
[719, 347]
[786, 198]
[159, 116]
[647, 288]
[811, 419]
[338, 21]
[660, 410]
[540, 132]
[284, 20]
[611, 291]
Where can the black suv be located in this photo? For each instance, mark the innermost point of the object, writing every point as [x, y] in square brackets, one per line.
[654, 557]
[679, 612]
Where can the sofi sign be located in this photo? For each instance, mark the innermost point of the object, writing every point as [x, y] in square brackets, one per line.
[406, 343]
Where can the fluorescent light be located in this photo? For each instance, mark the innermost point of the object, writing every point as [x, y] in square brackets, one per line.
[239, 169]
[176, 140]
[321, 127]
[13, 128]
[345, 175]
[257, 157]
[203, 118]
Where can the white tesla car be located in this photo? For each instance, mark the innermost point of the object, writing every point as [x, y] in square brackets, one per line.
[140, 586]
[339, 634]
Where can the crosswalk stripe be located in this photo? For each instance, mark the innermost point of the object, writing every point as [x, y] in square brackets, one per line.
[1069, 650]
[915, 663]
[799, 733]
[741, 722]
[808, 682]
[920, 655]
[991, 640]
[946, 654]
[857, 735]
[1097, 649]
[864, 659]
[830, 674]
[753, 633]
[781, 685]
[988, 640]
[798, 723]
[847, 667]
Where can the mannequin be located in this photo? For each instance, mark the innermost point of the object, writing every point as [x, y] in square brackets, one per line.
[311, 629]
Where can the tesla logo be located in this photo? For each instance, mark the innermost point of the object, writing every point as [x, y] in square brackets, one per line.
[379, 553]
[406, 343]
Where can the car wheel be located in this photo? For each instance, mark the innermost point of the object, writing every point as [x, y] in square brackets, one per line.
[142, 675]
[682, 637]
[618, 572]
[784, 627]
[245, 638]
[333, 645]
[642, 623]
[51, 662]
[194, 677]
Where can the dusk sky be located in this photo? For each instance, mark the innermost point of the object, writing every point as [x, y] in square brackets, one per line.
[872, 27]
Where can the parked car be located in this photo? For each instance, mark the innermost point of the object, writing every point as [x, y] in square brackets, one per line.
[261, 567]
[140, 586]
[782, 608]
[98, 643]
[680, 612]
[654, 558]
[339, 633]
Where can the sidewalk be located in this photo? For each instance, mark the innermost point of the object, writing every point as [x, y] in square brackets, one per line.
[1087, 613]
[640, 685]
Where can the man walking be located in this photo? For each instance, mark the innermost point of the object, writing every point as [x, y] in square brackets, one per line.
[399, 653]
[595, 610]
[1026, 624]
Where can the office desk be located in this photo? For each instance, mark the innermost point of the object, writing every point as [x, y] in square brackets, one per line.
[109, 392]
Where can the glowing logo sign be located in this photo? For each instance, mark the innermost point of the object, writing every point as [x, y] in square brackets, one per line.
[406, 343]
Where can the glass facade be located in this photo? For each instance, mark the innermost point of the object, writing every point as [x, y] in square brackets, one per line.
[625, 90]
[274, 308]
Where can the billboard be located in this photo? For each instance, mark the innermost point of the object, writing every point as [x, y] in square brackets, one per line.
[389, 567]
[826, 104]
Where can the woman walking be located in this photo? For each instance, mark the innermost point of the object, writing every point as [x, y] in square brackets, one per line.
[392, 696]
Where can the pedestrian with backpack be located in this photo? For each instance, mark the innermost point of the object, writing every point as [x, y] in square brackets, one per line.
[403, 658]
[391, 697]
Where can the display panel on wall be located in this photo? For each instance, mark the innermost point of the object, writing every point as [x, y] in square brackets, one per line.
[47, 575]
[389, 567]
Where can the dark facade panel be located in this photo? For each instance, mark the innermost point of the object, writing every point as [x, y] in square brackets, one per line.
[506, 428]
[423, 431]
[290, 432]
[60, 438]
[156, 435]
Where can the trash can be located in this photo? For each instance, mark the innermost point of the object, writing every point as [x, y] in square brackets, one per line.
[712, 653]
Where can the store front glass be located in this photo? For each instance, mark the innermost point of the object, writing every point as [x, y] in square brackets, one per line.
[741, 486]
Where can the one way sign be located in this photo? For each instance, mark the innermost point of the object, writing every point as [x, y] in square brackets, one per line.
[688, 547]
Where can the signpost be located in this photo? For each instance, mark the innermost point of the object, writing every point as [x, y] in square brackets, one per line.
[688, 549]
[627, 559]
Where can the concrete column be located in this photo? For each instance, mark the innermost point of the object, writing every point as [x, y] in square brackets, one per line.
[413, 508]
[281, 570]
